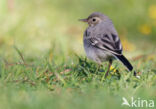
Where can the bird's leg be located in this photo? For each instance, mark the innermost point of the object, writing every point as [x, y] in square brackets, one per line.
[110, 63]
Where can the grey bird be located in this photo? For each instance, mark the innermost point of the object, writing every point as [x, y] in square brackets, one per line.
[101, 41]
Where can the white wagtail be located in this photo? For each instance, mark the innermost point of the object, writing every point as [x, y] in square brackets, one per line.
[101, 41]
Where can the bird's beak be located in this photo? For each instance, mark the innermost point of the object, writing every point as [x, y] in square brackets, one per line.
[83, 20]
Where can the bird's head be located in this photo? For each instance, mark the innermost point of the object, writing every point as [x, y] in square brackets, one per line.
[94, 19]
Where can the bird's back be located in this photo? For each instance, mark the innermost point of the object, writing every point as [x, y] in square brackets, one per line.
[104, 31]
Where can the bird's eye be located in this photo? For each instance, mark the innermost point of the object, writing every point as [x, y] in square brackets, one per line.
[94, 20]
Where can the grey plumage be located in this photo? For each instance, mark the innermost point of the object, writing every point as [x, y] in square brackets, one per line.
[101, 41]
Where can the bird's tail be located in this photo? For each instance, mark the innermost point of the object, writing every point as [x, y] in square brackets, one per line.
[124, 60]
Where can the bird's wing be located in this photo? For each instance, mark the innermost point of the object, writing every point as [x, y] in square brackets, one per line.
[108, 42]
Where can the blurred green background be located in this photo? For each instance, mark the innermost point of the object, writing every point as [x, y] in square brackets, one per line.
[36, 26]
[39, 41]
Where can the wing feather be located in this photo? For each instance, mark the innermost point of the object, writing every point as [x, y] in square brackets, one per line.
[104, 42]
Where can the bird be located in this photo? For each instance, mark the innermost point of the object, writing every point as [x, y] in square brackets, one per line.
[101, 41]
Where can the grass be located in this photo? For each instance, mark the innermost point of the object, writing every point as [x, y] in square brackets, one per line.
[75, 84]
[43, 64]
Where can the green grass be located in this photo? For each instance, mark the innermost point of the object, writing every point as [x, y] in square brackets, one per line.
[75, 84]
[43, 64]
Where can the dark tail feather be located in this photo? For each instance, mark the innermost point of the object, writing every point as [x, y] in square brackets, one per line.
[124, 60]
